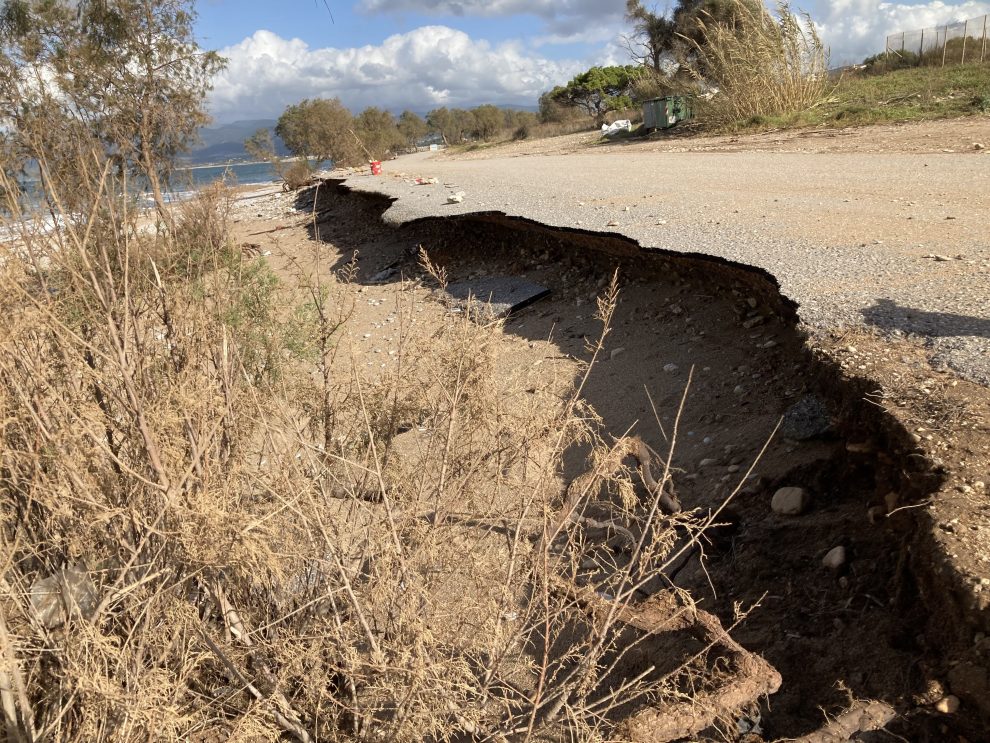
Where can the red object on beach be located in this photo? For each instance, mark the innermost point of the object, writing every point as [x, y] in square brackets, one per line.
[376, 167]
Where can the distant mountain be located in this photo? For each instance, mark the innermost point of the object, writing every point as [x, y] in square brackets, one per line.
[220, 144]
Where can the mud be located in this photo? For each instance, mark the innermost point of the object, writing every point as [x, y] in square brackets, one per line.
[888, 625]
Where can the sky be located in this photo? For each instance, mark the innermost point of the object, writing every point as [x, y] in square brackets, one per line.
[422, 54]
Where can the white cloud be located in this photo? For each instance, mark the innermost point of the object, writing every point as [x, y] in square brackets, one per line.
[424, 68]
[855, 29]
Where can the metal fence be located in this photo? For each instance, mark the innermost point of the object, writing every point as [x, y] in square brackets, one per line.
[954, 43]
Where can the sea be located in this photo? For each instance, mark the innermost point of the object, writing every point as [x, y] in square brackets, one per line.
[186, 180]
[189, 179]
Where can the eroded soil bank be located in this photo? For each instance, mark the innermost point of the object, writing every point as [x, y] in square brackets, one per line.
[893, 469]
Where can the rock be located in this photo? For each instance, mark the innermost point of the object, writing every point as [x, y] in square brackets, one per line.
[806, 419]
[670, 368]
[732, 469]
[948, 704]
[790, 501]
[613, 223]
[456, 198]
[977, 145]
[941, 258]
[616, 352]
[835, 558]
[707, 462]
[739, 390]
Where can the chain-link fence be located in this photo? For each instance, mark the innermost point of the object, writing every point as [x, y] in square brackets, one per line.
[954, 43]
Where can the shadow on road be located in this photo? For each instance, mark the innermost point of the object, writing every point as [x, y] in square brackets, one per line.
[886, 314]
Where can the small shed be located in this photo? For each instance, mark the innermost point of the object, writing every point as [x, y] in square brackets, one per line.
[663, 113]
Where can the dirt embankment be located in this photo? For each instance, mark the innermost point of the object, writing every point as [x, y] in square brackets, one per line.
[874, 587]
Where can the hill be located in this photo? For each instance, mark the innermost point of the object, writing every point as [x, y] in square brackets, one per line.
[224, 143]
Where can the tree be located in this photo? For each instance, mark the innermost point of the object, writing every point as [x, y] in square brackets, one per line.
[127, 76]
[488, 121]
[378, 132]
[452, 124]
[598, 90]
[412, 128]
[653, 38]
[320, 128]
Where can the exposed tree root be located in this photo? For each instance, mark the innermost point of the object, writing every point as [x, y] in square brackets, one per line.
[861, 717]
[750, 677]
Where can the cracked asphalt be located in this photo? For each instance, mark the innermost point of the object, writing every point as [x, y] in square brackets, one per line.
[899, 242]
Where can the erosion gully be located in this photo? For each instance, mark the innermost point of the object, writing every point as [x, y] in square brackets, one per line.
[891, 623]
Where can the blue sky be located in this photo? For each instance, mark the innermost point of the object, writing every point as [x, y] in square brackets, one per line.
[422, 54]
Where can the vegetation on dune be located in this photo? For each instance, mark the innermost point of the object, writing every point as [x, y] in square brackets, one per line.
[911, 94]
[759, 65]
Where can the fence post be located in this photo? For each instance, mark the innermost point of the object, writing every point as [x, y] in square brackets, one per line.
[983, 48]
[965, 36]
[921, 47]
[945, 44]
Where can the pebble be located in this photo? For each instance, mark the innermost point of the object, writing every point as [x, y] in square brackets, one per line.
[732, 469]
[790, 501]
[670, 368]
[977, 145]
[617, 352]
[613, 223]
[835, 558]
[707, 462]
[948, 704]
[738, 390]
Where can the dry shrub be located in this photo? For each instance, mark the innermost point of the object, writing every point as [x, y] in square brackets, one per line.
[215, 525]
[760, 65]
[297, 175]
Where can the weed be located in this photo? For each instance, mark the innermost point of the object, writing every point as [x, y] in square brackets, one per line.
[760, 65]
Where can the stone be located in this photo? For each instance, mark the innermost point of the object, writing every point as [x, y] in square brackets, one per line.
[806, 419]
[948, 704]
[670, 368]
[941, 258]
[977, 145]
[616, 352]
[707, 462]
[456, 198]
[790, 501]
[835, 558]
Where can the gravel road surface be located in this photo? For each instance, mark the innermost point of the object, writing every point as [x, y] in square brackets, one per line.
[895, 241]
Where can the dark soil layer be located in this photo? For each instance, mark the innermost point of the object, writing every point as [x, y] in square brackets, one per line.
[891, 624]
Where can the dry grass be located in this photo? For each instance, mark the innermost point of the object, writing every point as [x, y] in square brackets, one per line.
[215, 528]
[761, 66]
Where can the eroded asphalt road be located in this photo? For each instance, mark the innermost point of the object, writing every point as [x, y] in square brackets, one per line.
[896, 242]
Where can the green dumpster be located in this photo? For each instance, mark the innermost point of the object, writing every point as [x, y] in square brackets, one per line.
[663, 113]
